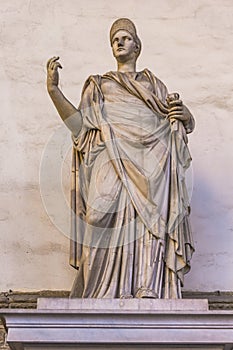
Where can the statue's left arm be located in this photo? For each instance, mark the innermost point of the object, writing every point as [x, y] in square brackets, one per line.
[176, 109]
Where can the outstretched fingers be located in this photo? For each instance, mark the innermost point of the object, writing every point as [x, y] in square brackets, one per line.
[53, 63]
[51, 60]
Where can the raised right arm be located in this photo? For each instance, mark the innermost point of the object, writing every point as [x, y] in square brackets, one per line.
[68, 113]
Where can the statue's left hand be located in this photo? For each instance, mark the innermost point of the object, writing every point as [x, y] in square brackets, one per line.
[176, 108]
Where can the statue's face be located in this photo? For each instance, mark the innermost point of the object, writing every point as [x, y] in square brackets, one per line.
[124, 47]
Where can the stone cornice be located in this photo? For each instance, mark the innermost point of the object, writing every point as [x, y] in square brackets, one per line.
[117, 326]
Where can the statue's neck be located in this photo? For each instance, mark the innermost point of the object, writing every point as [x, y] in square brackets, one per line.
[126, 67]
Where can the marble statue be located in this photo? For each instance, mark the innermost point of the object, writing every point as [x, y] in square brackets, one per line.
[131, 235]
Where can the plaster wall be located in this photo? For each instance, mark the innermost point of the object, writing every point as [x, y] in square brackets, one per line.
[188, 45]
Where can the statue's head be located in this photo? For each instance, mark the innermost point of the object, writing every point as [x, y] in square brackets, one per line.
[125, 25]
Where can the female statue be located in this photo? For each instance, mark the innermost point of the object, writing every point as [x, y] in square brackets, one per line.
[131, 236]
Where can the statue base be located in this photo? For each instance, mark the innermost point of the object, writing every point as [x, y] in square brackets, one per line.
[122, 305]
[90, 324]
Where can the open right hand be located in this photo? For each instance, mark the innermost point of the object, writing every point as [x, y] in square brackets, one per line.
[52, 72]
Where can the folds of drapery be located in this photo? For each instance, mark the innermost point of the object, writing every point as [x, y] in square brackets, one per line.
[157, 191]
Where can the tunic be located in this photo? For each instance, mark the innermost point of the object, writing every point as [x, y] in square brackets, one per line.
[130, 228]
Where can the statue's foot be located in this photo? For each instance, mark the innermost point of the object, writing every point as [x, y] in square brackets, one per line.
[146, 293]
[126, 296]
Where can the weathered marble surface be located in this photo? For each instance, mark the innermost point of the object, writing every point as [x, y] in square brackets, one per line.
[191, 52]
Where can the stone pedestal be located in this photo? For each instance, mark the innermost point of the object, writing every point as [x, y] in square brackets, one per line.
[70, 324]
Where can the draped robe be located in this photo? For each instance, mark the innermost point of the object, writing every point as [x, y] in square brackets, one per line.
[130, 226]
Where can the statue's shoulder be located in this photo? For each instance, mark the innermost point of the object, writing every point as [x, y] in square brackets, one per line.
[91, 82]
[96, 79]
[153, 78]
[160, 88]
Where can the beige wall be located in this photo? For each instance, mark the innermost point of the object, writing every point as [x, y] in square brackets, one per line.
[187, 44]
